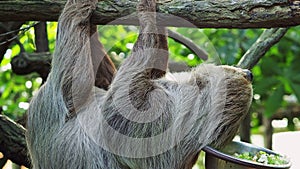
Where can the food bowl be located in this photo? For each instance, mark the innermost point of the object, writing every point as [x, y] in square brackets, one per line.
[225, 158]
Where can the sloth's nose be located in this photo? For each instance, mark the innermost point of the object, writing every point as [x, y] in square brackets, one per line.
[248, 74]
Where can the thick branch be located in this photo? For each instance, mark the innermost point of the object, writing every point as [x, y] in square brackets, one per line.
[12, 141]
[26, 63]
[202, 14]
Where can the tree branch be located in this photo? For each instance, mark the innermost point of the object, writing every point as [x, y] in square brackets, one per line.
[177, 37]
[202, 14]
[41, 38]
[12, 141]
[266, 40]
[26, 63]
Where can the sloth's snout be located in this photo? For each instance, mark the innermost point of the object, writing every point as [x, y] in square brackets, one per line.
[248, 75]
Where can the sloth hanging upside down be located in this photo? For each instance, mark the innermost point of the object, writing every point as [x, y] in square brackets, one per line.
[145, 119]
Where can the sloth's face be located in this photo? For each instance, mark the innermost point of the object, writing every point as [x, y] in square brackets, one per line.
[238, 89]
[237, 102]
[238, 84]
[227, 93]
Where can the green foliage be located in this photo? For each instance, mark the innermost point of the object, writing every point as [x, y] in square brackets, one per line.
[278, 72]
[274, 100]
[16, 90]
[118, 39]
[231, 44]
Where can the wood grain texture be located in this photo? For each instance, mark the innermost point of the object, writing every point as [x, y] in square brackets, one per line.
[198, 13]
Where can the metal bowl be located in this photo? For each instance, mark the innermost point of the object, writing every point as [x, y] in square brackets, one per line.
[224, 159]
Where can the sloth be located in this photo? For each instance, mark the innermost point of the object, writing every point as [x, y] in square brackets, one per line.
[146, 118]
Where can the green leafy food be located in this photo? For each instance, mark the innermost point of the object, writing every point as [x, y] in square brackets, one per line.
[262, 157]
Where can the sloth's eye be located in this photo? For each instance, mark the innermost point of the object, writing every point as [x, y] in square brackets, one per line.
[248, 74]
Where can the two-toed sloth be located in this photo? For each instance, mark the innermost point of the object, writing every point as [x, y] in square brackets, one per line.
[145, 119]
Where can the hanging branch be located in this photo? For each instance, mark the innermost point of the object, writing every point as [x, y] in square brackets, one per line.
[266, 40]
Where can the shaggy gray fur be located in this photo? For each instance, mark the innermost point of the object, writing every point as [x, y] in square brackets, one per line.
[146, 119]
